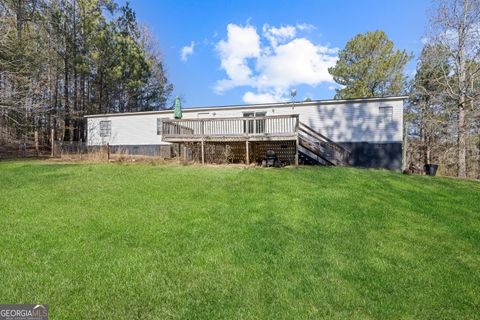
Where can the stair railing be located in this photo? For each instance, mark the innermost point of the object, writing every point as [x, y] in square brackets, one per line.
[340, 153]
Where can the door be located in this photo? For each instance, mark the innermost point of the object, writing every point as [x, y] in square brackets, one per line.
[260, 123]
[254, 125]
[248, 124]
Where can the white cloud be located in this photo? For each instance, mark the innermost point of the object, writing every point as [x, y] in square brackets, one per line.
[305, 27]
[187, 51]
[296, 62]
[242, 43]
[274, 65]
[278, 35]
[335, 87]
[252, 98]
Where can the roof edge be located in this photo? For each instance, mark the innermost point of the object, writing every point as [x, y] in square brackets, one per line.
[250, 106]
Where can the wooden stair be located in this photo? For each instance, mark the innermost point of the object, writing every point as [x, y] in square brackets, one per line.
[315, 148]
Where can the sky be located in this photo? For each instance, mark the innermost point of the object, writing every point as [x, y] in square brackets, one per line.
[221, 52]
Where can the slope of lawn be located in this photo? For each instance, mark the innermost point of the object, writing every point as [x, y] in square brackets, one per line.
[98, 241]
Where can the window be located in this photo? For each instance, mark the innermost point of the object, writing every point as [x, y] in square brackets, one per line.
[160, 125]
[105, 128]
[386, 114]
[203, 115]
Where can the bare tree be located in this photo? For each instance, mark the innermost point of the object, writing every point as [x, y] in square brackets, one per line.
[62, 59]
[457, 29]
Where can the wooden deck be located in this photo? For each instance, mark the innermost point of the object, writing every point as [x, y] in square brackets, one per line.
[268, 128]
[255, 133]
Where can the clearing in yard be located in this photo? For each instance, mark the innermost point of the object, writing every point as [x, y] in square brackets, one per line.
[99, 241]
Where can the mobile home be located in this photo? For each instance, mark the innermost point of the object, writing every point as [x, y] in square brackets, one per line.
[358, 132]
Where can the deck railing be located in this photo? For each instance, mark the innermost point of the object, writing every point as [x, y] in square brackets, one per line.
[243, 127]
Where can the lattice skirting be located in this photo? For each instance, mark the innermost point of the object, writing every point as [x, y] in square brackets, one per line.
[234, 152]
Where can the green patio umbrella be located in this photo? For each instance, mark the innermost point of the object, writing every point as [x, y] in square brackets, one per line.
[178, 108]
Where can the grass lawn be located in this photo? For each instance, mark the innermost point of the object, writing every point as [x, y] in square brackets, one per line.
[97, 241]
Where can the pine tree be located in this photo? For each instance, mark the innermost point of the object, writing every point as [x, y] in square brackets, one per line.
[369, 66]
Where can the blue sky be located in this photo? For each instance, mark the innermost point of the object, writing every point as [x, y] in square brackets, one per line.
[256, 51]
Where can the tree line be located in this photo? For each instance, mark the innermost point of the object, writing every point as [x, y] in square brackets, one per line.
[442, 116]
[62, 59]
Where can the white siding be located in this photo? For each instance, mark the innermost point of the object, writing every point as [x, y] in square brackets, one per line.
[126, 130]
[341, 122]
[355, 122]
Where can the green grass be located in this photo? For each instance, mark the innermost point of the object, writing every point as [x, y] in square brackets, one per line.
[156, 242]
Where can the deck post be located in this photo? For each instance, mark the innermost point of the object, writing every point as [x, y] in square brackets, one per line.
[297, 124]
[247, 153]
[203, 153]
[202, 133]
[296, 152]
